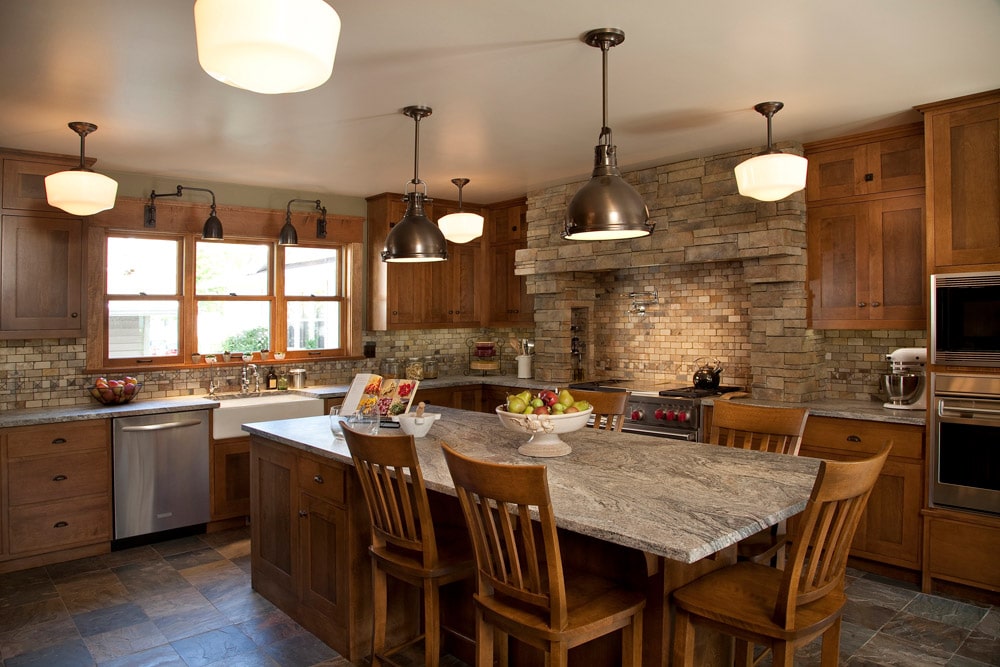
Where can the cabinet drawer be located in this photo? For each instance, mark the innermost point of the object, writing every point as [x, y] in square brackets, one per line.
[41, 479]
[326, 480]
[57, 525]
[964, 551]
[863, 437]
[62, 438]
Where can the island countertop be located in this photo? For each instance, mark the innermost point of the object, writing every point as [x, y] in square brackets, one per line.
[682, 501]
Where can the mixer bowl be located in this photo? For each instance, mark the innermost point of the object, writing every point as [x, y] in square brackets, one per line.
[903, 388]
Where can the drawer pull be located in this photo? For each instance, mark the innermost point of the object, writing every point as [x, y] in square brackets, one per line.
[303, 513]
[59, 441]
[853, 438]
[318, 479]
[60, 524]
[59, 478]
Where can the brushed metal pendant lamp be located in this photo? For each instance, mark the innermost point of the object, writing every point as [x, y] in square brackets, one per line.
[267, 46]
[210, 231]
[415, 238]
[461, 227]
[81, 191]
[288, 235]
[771, 175]
[606, 207]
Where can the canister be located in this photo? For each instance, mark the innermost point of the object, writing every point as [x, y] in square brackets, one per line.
[414, 368]
[390, 368]
[297, 378]
[430, 368]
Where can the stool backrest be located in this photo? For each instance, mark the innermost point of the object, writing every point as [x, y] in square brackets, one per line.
[760, 428]
[609, 407]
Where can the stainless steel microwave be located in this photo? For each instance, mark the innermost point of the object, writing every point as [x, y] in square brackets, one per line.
[965, 319]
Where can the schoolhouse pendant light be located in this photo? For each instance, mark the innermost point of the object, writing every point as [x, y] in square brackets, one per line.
[606, 207]
[771, 175]
[415, 238]
[267, 46]
[461, 227]
[81, 191]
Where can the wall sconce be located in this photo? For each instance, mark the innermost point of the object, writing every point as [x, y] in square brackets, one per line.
[267, 46]
[288, 235]
[771, 175]
[639, 302]
[211, 231]
[607, 207]
[81, 191]
[461, 227]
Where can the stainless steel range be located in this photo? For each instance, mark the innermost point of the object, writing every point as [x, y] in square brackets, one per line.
[661, 410]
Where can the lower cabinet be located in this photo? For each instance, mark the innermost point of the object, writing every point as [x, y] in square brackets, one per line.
[961, 547]
[890, 530]
[56, 503]
[463, 397]
[230, 476]
[309, 544]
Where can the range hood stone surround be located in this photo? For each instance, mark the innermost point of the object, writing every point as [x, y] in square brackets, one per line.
[700, 218]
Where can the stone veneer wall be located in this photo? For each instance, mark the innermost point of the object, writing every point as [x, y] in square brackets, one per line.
[52, 372]
[730, 273]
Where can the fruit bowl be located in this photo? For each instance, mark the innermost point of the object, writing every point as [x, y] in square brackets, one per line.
[544, 430]
[118, 394]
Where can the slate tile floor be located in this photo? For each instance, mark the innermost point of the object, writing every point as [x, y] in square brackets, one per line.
[188, 603]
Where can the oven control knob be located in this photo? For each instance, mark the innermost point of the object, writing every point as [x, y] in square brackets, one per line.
[671, 415]
[660, 414]
[637, 415]
[683, 416]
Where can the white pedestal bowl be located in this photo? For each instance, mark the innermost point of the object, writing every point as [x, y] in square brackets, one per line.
[544, 430]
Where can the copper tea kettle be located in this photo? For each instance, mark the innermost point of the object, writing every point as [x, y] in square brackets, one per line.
[708, 374]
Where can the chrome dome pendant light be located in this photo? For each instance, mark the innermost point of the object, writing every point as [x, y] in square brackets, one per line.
[461, 227]
[771, 175]
[607, 207]
[415, 238]
[81, 191]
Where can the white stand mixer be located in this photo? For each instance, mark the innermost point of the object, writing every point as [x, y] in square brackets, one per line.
[906, 382]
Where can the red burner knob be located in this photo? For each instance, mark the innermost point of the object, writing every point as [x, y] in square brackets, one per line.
[660, 414]
[637, 415]
[671, 415]
[682, 416]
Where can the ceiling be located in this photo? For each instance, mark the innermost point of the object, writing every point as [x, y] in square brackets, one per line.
[516, 94]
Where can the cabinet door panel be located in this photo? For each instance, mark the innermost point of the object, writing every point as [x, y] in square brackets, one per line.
[41, 277]
[898, 164]
[897, 266]
[230, 479]
[836, 173]
[274, 536]
[838, 266]
[323, 545]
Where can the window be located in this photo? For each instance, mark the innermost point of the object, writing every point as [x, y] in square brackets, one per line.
[239, 295]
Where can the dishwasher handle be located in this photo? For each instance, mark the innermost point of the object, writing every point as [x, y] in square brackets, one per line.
[164, 426]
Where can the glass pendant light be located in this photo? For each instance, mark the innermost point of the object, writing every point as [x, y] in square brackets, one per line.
[606, 207]
[415, 238]
[267, 46]
[771, 175]
[81, 191]
[461, 227]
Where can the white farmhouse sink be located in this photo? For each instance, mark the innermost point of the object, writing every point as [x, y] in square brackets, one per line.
[232, 413]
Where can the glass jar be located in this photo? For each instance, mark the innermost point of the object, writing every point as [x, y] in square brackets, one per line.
[390, 368]
[430, 368]
[414, 368]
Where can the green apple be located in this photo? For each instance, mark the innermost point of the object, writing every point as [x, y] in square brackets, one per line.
[537, 402]
[558, 408]
[565, 398]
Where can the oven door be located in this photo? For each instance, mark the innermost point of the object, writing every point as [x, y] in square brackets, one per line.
[965, 453]
[661, 432]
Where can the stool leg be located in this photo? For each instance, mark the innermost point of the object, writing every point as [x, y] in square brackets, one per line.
[484, 642]
[683, 651]
[432, 624]
[632, 642]
[379, 612]
[831, 646]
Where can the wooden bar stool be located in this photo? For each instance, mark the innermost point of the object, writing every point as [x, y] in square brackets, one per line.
[763, 429]
[785, 609]
[609, 407]
[404, 543]
[522, 588]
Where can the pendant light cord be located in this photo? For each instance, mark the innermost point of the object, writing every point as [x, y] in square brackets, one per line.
[416, 151]
[605, 137]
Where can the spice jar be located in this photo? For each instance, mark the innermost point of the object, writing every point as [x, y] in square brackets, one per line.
[414, 369]
[430, 368]
[390, 368]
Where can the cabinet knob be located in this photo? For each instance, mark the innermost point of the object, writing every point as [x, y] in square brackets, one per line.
[318, 479]
[74, 314]
[59, 478]
[60, 524]
[876, 304]
[395, 312]
[303, 514]
[869, 178]
[59, 441]
[861, 304]
[853, 438]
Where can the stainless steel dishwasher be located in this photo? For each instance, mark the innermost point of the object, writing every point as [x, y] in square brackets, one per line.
[161, 469]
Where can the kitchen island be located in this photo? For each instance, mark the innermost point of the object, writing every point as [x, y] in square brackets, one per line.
[652, 512]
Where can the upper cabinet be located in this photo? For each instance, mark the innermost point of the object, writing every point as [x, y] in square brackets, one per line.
[42, 254]
[509, 302]
[866, 231]
[963, 182]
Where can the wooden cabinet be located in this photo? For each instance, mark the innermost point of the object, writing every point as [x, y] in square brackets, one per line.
[421, 294]
[890, 530]
[961, 547]
[42, 254]
[464, 397]
[509, 302]
[309, 540]
[57, 500]
[230, 478]
[866, 231]
[963, 182]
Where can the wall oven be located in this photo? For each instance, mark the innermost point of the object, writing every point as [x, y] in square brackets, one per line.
[965, 319]
[965, 442]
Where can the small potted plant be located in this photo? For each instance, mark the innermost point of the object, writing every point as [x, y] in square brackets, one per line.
[227, 355]
[196, 358]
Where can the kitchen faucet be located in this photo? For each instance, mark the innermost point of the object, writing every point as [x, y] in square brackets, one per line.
[245, 381]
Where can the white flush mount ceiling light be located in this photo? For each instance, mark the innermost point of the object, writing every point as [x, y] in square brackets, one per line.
[415, 238]
[81, 191]
[267, 46]
[771, 175]
[461, 227]
[606, 207]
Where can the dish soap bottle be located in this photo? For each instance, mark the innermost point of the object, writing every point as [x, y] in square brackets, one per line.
[272, 379]
[282, 382]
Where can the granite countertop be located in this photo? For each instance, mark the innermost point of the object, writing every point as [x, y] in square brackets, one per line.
[845, 409]
[679, 500]
[95, 410]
